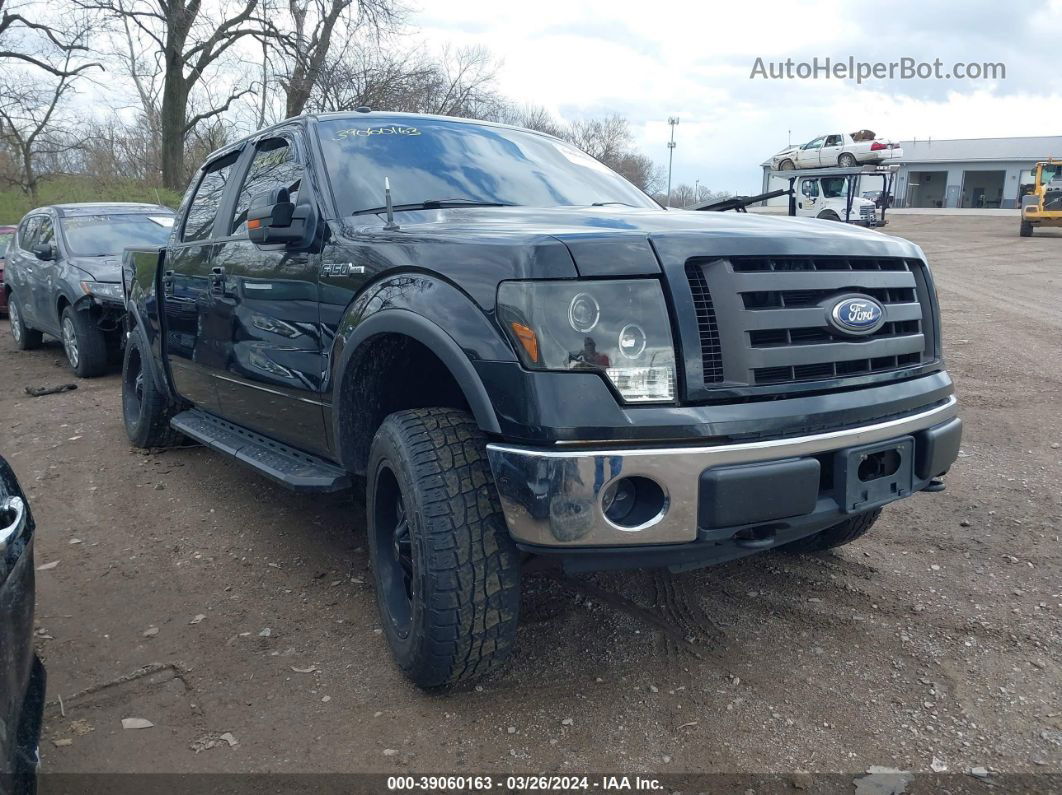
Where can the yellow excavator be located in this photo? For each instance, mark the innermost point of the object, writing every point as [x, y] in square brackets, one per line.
[1042, 205]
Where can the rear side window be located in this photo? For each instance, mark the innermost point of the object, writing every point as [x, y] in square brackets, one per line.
[204, 207]
[274, 165]
[27, 232]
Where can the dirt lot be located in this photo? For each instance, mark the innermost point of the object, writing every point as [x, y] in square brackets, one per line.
[937, 636]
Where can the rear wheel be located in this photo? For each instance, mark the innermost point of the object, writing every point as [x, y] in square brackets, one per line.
[1026, 229]
[145, 409]
[26, 338]
[840, 534]
[84, 343]
[847, 160]
[447, 574]
[786, 165]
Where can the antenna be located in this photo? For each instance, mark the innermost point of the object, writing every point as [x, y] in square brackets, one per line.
[390, 226]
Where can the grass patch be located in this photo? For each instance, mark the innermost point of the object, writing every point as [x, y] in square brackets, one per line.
[14, 204]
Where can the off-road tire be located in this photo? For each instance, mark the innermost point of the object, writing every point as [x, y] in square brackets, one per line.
[828, 215]
[840, 534]
[26, 338]
[1026, 229]
[463, 593]
[88, 357]
[847, 160]
[787, 165]
[146, 410]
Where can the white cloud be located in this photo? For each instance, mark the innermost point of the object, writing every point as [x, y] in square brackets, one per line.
[693, 59]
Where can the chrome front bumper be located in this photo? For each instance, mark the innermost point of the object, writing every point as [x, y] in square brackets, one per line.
[554, 497]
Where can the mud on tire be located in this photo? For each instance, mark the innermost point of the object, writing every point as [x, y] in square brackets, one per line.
[446, 572]
[840, 534]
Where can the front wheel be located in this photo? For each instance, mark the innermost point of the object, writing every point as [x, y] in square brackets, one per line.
[145, 409]
[84, 343]
[847, 160]
[1026, 229]
[828, 215]
[786, 165]
[447, 574]
[26, 338]
[840, 534]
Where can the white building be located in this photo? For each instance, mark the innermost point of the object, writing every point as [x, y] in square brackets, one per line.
[962, 172]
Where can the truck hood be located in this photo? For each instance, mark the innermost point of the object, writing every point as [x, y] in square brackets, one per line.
[615, 241]
[99, 269]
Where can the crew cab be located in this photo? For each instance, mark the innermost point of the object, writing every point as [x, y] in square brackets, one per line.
[62, 276]
[846, 150]
[517, 353]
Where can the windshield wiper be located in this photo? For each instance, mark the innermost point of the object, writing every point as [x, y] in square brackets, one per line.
[605, 204]
[433, 204]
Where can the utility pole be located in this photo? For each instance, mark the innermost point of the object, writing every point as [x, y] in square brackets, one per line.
[696, 191]
[673, 121]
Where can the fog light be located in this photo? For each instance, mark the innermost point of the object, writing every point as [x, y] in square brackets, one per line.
[634, 503]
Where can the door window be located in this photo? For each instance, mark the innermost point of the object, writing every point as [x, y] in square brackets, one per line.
[814, 144]
[833, 140]
[199, 223]
[810, 188]
[46, 234]
[274, 165]
[27, 232]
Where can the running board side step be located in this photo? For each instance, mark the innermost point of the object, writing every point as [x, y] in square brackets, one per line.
[293, 468]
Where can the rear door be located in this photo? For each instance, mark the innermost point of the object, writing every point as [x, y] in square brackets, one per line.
[271, 344]
[21, 272]
[188, 289]
[831, 150]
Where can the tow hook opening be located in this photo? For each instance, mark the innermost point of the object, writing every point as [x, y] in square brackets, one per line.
[759, 537]
[879, 465]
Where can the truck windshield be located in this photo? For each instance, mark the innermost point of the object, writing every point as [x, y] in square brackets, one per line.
[459, 163]
[109, 235]
[834, 187]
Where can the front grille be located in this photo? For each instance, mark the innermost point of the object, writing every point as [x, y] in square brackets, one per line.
[763, 320]
[711, 352]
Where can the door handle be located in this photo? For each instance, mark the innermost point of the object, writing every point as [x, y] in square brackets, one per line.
[16, 506]
[167, 283]
[217, 279]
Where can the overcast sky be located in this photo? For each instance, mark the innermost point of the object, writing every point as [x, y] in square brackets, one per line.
[649, 60]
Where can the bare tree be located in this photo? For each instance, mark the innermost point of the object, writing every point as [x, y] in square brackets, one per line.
[190, 42]
[44, 46]
[29, 107]
[304, 49]
[458, 82]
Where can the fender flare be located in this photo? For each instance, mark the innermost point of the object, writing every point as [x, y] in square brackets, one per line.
[135, 325]
[435, 339]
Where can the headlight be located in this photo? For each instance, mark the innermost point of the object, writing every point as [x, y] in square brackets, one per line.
[617, 328]
[103, 290]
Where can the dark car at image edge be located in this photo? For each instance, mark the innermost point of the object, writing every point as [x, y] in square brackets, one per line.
[517, 353]
[63, 276]
[22, 678]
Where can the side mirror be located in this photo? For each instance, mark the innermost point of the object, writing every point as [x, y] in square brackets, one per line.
[274, 220]
[45, 252]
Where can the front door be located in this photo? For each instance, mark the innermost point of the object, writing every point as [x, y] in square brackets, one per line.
[189, 287]
[270, 336]
[808, 156]
[45, 276]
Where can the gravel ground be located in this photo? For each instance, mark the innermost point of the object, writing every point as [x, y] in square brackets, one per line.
[239, 618]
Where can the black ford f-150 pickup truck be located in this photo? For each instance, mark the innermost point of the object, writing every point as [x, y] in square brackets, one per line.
[519, 353]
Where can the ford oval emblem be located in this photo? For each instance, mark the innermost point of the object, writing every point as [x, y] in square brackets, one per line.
[857, 315]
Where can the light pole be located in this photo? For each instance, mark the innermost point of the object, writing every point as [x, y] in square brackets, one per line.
[696, 191]
[673, 121]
